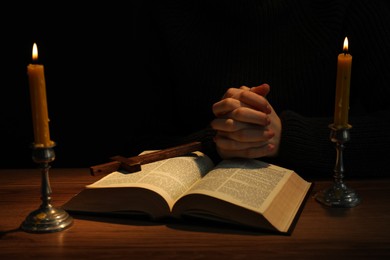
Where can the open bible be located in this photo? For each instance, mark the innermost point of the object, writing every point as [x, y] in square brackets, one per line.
[246, 192]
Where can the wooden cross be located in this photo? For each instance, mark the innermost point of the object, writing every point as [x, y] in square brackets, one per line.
[133, 164]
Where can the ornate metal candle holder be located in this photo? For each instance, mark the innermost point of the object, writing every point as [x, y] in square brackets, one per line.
[339, 195]
[46, 218]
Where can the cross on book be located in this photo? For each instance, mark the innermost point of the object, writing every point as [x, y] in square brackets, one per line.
[133, 164]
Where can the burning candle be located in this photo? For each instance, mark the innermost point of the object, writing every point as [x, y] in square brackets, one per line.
[40, 115]
[344, 64]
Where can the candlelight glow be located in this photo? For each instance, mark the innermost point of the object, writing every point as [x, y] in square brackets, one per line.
[345, 48]
[35, 52]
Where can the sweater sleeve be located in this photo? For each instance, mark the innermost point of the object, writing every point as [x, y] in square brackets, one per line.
[306, 145]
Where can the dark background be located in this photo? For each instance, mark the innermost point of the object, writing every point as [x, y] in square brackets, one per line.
[91, 81]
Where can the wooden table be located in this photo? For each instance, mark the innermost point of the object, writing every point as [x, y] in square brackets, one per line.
[358, 233]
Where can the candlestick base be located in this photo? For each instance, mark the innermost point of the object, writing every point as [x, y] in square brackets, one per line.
[339, 195]
[46, 218]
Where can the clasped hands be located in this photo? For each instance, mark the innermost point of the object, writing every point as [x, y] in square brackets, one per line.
[246, 124]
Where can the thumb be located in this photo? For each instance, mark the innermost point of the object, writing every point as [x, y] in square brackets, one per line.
[262, 90]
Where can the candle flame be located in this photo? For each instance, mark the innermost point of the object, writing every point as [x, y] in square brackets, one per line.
[345, 47]
[35, 52]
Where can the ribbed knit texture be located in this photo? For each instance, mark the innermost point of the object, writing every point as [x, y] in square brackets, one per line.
[191, 52]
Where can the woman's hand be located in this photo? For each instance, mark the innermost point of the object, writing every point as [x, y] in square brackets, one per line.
[246, 124]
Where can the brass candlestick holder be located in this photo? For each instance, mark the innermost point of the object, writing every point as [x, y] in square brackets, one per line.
[339, 195]
[46, 218]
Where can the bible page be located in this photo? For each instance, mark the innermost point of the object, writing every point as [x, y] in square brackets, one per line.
[249, 183]
[171, 178]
